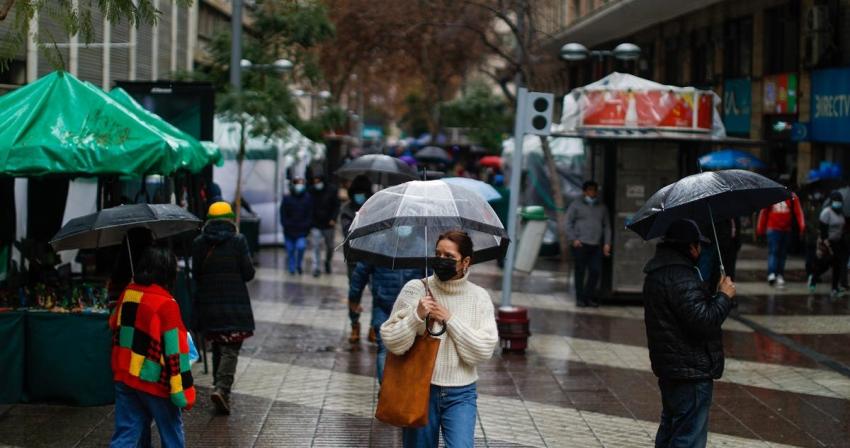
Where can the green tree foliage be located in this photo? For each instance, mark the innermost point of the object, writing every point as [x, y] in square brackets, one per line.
[73, 19]
[487, 115]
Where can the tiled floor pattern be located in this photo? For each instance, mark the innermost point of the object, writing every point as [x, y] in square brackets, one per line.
[584, 386]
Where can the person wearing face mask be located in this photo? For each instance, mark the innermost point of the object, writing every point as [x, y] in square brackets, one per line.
[589, 229]
[832, 223]
[358, 193]
[296, 217]
[325, 212]
[385, 284]
[817, 261]
[683, 321]
[466, 310]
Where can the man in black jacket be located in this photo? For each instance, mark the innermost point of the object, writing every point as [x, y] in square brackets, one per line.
[683, 331]
[325, 213]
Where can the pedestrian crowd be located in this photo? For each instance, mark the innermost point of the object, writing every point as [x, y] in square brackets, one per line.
[688, 293]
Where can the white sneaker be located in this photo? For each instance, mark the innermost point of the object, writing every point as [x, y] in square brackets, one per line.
[771, 279]
[780, 282]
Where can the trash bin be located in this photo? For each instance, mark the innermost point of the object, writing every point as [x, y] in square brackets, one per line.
[534, 227]
[513, 326]
[249, 225]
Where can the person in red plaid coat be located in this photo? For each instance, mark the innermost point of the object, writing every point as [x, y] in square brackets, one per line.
[150, 355]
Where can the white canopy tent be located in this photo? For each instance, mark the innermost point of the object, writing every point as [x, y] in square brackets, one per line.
[264, 170]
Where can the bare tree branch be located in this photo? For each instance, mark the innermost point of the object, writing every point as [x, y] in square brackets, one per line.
[4, 11]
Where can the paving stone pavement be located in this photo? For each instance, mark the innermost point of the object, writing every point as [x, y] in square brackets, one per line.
[585, 382]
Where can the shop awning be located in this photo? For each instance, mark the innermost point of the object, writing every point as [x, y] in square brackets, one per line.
[620, 19]
[193, 154]
[61, 125]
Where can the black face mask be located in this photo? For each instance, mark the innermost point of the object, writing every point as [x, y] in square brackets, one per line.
[444, 268]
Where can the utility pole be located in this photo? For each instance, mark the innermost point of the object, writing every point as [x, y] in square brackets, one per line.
[236, 45]
[516, 167]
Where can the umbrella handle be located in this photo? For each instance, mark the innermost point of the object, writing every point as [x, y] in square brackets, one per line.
[428, 326]
[716, 241]
[714, 231]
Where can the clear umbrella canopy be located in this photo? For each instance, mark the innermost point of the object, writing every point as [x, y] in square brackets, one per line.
[399, 226]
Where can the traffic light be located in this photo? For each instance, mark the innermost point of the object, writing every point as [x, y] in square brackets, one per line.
[538, 112]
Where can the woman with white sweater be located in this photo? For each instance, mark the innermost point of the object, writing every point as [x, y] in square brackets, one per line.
[470, 338]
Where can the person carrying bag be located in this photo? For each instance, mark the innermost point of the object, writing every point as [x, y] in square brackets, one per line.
[470, 337]
[405, 391]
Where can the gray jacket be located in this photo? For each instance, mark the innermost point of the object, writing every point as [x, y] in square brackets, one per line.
[588, 223]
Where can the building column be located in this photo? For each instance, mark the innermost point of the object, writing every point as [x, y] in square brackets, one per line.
[74, 49]
[133, 53]
[107, 53]
[155, 46]
[175, 15]
[192, 36]
[32, 49]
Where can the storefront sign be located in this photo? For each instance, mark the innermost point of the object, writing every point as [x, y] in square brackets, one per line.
[830, 106]
[780, 94]
[737, 105]
[656, 109]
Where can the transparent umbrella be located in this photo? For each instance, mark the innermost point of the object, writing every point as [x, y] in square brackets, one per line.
[398, 227]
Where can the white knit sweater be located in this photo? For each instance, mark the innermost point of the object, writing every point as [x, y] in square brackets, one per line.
[471, 334]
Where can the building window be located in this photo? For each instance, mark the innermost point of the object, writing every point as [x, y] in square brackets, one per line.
[15, 73]
[576, 9]
[781, 38]
[738, 48]
[672, 62]
[825, 42]
[702, 58]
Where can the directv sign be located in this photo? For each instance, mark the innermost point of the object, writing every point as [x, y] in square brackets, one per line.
[830, 106]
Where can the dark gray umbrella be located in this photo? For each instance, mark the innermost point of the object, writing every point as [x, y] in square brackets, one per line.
[381, 169]
[108, 226]
[728, 193]
[706, 197]
[433, 154]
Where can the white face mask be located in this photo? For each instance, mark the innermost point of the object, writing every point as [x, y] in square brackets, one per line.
[319, 186]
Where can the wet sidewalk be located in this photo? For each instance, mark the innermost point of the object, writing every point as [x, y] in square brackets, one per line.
[585, 382]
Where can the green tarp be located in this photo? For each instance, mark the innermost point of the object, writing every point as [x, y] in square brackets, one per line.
[194, 155]
[67, 359]
[61, 125]
[12, 356]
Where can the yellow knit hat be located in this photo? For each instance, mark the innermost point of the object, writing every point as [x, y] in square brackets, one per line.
[220, 210]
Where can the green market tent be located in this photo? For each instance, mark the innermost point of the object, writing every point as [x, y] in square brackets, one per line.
[194, 155]
[61, 125]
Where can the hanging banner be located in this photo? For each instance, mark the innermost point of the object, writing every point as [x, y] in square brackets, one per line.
[737, 105]
[654, 109]
[780, 94]
[830, 106]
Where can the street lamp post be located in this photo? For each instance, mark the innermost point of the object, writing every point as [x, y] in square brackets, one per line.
[575, 52]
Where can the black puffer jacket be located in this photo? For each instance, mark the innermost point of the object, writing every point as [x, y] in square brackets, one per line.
[222, 264]
[682, 319]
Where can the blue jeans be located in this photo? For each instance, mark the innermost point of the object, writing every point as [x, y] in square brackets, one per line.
[452, 409]
[587, 259]
[134, 411]
[684, 417]
[295, 248]
[380, 314]
[777, 250]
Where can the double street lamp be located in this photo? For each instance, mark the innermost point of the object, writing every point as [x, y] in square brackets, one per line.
[280, 65]
[577, 52]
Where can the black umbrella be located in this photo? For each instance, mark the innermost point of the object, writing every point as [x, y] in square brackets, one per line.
[433, 154]
[381, 169]
[108, 226]
[706, 197]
